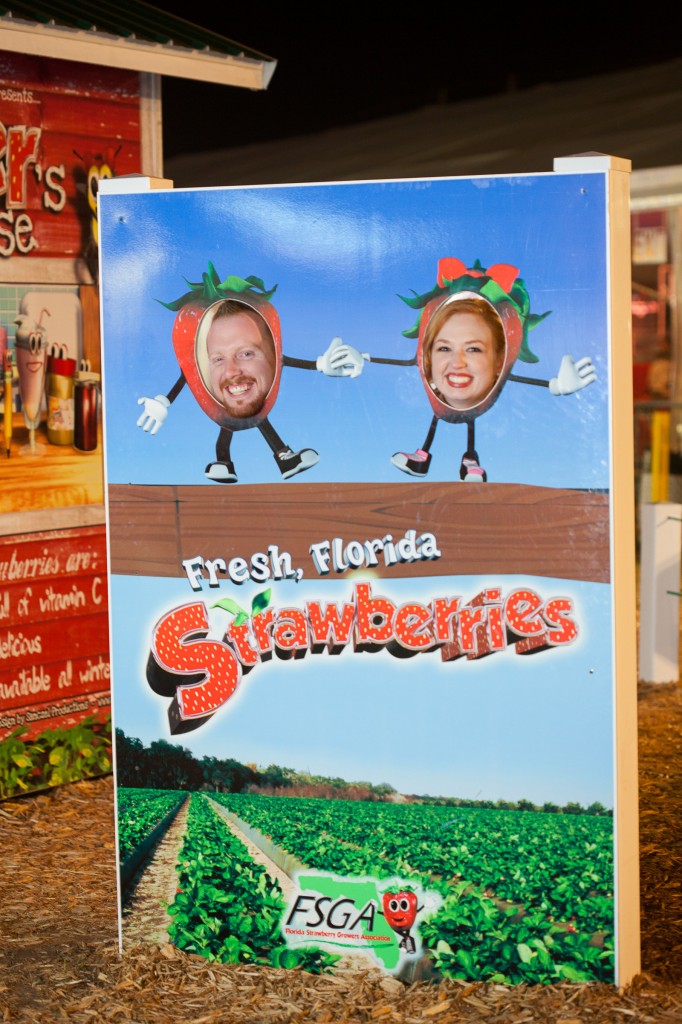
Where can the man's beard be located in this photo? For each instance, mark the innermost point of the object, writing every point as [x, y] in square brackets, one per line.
[241, 408]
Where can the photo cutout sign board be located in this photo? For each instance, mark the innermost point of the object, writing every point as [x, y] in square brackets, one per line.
[363, 553]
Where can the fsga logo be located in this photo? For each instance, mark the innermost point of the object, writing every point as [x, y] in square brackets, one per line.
[360, 914]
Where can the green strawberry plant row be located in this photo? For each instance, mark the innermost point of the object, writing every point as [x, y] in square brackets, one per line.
[471, 939]
[557, 860]
[139, 811]
[227, 908]
[558, 873]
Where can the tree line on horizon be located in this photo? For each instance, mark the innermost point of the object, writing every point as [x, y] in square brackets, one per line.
[164, 765]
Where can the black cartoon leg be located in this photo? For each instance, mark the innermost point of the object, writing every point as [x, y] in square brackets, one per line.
[222, 470]
[470, 471]
[288, 462]
[417, 463]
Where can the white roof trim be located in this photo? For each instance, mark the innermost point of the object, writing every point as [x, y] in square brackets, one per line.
[92, 47]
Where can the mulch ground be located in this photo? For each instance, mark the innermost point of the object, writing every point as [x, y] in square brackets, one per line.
[59, 956]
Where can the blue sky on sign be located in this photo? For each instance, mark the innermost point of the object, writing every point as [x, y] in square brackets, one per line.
[340, 256]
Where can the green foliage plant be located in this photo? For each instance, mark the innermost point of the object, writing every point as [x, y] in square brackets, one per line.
[54, 757]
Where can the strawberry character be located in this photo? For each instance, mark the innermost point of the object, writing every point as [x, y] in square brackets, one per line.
[400, 908]
[472, 327]
[228, 343]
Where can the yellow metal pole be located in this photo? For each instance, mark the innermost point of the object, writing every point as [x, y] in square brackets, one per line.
[660, 454]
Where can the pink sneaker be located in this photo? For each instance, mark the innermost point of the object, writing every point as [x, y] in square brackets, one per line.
[471, 472]
[416, 464]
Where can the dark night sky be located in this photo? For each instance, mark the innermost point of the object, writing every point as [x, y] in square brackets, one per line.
[344, 69]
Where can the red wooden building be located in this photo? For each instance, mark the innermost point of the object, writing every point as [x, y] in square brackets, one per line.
[79, 100]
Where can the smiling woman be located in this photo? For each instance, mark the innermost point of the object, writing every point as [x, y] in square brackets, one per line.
[236, 357]
[464, 351]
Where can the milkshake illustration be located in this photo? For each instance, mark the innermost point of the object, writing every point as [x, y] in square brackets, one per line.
[30, 347]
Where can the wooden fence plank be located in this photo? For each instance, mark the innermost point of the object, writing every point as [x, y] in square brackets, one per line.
[487, 529]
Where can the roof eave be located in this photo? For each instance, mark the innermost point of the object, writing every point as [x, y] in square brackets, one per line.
[92, 47]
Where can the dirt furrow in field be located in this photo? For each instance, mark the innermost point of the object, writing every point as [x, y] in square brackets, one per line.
[145, 914]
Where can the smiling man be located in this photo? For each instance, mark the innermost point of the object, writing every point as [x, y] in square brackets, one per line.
[234, 343]
[241, 359]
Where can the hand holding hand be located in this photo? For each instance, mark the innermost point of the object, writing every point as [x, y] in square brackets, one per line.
[341, 360]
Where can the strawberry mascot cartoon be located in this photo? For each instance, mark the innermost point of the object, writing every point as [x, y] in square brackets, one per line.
[228, 343]
[400, 908]
[472, 327]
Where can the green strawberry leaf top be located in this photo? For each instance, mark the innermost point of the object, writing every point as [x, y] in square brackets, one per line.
[211, 289]
[229, 605]
[259, 602]
[476, 279]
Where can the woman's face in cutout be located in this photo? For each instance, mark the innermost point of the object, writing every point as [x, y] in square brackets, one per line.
[464, 360]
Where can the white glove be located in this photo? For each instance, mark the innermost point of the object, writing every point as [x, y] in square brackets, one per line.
[572, 376]
[341, 360]
[155, 412]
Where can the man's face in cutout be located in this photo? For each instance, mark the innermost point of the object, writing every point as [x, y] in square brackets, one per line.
[464, 362]
[241, 364]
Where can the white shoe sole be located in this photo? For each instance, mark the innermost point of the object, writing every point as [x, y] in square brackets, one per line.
[400, 462]
[219, 473]
[308, 458]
